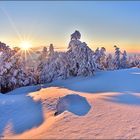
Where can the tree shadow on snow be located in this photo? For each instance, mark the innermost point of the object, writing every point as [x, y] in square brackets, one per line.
[107, 81]
[22, 115]
[124, 98]
[122, 81]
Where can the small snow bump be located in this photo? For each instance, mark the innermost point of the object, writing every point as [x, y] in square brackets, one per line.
[73, 103]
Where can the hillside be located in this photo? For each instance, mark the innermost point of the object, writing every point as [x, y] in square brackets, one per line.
[111, 107]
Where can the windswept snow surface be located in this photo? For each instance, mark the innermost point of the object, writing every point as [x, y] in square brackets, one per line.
[114, 108]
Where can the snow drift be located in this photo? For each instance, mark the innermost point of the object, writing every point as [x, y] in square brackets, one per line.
[73, 103]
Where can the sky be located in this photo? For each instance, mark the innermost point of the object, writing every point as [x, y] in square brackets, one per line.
[101, 23]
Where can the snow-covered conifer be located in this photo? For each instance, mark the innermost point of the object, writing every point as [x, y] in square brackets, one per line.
[55, 67]
[76, 35]
[100, 58]
[135, 60]
[117, 58]
[78, 60]
[51, 49]
[109, 62]
[80, 57]
[12, 70]
[124, 62]
[43, 54]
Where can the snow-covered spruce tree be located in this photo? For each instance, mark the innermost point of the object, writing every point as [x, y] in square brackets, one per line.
[124, 62]
[138, 66]
[134, 61]
[55, 66]
[117, 63]
[41, 62]
[51, 49]
[97, 58]
[12, 72]
[109, 62]
[44, 54]
[76, 35]
[137, 61]
[100, 58]
[78, 60]
[4, 47]
[80, 56]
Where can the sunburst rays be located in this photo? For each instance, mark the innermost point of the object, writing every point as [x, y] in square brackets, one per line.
[24, 46]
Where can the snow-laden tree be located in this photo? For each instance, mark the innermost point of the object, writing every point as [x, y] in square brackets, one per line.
[31, 74]
[76, 35]
[100, 58]
[78, 60]
[41, 60]
[81, 57]
[134, 61]
[46, 67]
[138, 66]
[109, 62]
[55, 67]
[43, 54]
[51, 49]
[124, 62]
[138, 59]
[12, 70]
[117, 63]
[4, 47]
[97, 58]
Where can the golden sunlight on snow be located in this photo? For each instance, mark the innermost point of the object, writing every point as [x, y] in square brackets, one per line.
[102, 120]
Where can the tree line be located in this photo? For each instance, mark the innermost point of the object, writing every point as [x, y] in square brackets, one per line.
[78, 60]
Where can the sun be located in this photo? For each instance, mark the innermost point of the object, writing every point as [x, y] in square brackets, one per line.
[25, 45]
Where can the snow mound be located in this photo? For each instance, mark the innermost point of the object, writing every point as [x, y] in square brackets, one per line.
[73, 103]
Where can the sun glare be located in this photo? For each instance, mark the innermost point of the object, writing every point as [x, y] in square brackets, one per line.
[25, 45]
